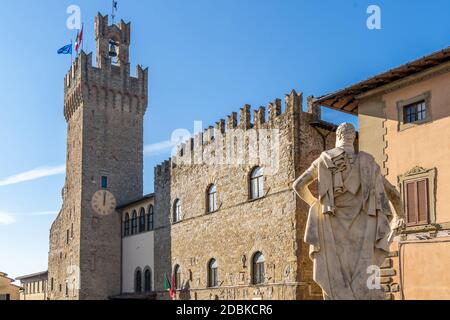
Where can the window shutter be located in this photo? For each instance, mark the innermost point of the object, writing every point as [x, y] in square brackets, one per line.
[411, 201]
[422, 199]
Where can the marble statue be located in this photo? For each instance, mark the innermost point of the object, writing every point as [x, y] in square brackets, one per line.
[351, 226]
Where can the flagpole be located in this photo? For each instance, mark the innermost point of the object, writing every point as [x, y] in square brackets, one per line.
[71, 52]
[82, 42]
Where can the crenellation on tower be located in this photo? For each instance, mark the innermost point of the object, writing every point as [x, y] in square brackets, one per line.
[232, 121]
[220, 126]
[245, 117]
[274, 109]
[259, 117]
[293, 102]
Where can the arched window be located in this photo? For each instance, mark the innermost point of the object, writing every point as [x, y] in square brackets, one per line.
[134, 223]
[212, 199]
[126, 228]
[150, 217]
[177, 272]
[177, 211]
[258, 268]
[257, 183]
[142, 220]
[138, 280]
[147, 280]
[213, 277]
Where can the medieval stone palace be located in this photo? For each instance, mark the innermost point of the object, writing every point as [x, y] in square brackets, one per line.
[224, 221]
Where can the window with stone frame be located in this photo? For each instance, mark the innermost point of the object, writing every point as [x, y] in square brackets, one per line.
[177, 215]
[147, 280]
[126, 228]
[212, 199]
[414, 111]
[416, 200]
[138, 280]
[150, 219]
[104, 182]
[256, 183]
[142, 220]
[213, 276]
[418, 193]
[134, 223]
[258, 272]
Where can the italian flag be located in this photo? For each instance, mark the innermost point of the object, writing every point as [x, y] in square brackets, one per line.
[79, 40]
[170, 285]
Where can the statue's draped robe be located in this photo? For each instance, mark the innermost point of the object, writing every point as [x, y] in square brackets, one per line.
[348, 228]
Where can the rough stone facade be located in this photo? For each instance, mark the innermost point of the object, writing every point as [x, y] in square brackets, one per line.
[104, 108]
[273, 224]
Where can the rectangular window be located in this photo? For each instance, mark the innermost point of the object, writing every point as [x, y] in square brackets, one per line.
[104, 182]
[67, 236]
[415, 112]
[417, 202]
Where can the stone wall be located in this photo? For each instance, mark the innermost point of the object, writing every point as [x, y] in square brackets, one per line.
[273, 224]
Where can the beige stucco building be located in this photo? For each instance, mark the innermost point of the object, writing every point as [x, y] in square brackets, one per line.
[138, 242]
[34, 286]
[8, 290]
[404, 121]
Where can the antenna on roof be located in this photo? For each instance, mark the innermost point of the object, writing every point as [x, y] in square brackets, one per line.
[114, 10]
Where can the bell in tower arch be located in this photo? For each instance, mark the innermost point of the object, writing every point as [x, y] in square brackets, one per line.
[113, 49]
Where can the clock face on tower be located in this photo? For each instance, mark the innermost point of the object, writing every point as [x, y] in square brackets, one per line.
[103, 202]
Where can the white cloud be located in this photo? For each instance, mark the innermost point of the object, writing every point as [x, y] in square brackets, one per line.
[6, 218]
[43, 213]
[33, 175]
[159, 148]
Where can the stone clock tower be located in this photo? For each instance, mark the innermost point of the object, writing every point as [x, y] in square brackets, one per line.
[104, 108]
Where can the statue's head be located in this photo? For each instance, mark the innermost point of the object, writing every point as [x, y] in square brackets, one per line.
[345, 134]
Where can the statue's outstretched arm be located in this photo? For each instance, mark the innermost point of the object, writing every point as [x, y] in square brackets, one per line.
[395, 198]
[301, 187]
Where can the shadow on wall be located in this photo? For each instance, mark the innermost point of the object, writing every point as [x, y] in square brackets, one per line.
[163, 245]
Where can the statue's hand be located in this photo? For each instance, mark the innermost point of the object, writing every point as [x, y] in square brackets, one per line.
[398, 223]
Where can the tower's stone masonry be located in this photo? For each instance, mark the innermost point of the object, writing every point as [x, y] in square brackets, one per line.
[104, 108]
[273, 225]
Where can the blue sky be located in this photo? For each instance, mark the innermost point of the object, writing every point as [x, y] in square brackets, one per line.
[206, 60]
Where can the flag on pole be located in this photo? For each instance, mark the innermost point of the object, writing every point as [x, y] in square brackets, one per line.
[172, 292]
[170, 285]
[79, 40]
[67, 49]
[166, 282]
